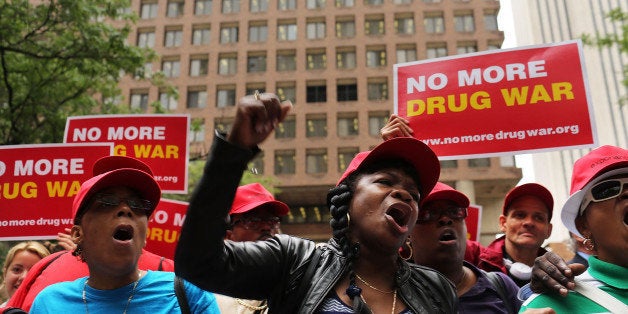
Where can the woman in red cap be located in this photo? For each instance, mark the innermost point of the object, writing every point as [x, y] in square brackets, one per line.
[374, 207]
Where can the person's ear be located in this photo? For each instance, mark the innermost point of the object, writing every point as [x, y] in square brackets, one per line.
[502, 223]
[582, 225]
[549, 230]
[228, 235]
[76, 234]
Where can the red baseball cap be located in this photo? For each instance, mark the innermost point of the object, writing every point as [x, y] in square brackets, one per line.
[413, 151]
[118, 171]
[442, 191]
[599, 164]
[533, 189]
[254, 195]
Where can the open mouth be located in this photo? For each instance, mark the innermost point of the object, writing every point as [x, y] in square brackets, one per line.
[123, 233]
[399, 215]
[447, 235]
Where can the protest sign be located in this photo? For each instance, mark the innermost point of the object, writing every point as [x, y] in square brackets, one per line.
[159, 140]
[498, 102]
[473, 222]
[38, 184]
[164, 227]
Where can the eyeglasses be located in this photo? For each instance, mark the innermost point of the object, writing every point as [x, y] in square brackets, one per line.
[254, 223]
[107, 201]
[452, 212]
[602, 191]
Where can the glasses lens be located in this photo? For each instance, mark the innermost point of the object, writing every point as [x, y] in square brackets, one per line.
[435, 214]
[605, 190]
[136, 204]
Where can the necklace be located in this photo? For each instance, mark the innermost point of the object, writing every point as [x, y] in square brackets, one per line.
[394, 292]
[252, 307]
[139, 275]
[374, 288]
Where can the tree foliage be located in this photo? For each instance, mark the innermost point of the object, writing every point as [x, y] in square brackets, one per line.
[55, 56]
[619, 39]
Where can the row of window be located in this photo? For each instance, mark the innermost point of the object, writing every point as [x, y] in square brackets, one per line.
[315, 59]
[316, 28]
[149, 9]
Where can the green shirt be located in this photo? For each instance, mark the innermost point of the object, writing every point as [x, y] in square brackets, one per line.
[611, 278]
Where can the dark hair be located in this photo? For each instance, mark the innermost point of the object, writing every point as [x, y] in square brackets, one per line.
[338, 201]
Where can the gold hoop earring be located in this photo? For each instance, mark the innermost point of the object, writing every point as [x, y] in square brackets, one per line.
[402, 249]
[589, 244]
[348, 219]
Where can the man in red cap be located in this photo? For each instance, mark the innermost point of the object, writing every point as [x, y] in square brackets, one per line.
[255, 214]
[525, 221]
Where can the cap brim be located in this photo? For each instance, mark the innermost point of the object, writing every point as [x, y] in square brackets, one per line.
[453, 195]
[571, 209]
[278, 208]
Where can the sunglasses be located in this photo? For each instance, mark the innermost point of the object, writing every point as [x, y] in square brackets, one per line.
[108, 201]
[602, 191]
[453, 212]
[255, 223]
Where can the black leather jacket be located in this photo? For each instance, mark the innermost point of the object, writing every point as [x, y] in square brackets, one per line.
[274, 269]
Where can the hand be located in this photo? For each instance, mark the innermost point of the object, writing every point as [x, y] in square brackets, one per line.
[65, 240]
[551, 273]
[545, 310]
[396, 127]
[256, 117]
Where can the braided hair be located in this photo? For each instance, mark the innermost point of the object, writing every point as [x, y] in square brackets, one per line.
[338, 201]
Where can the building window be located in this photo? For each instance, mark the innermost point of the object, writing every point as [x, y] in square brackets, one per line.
[434, 23]
[230, 6]
[256, 166]
[144, 72]
[201, 35]
[173, 38]
[345, 58]
[316, 160]
[347, 124]
[345, 3]
[287, 128]
[377, 89]
[227, 64]
[285, 5]
[490, 20]
[375, 57]
[139, 100]
[346, 91]
[377, 120]
[464, 23]
[197, 98]
[316, 59]
[479, 162]
[168, 101]
[406, 53]
[197, 130]
[316, 125]
[286, 31]
[258, 5]
[492, 45]
[171, 68]
[448, 164]
[286, 60]
[374, 25]
[175, 8]
[229, 34]
[256, 62]
[436, 50]
[315, 4]
[146, 39]
[198, 66]
[258, 33]
[345, 155]
[315, 30]
[285, 162]
[466, 47]
[225, 96]
[202, 7]
[373, 2]
[404, 25]
[345, 28]
[316, 92]
[148, 10]
[432, 1]
[250, 89]
[402, 1]
[287, 91]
